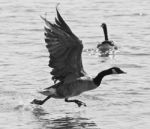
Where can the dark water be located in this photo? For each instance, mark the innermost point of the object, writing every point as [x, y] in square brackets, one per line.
[122, 101]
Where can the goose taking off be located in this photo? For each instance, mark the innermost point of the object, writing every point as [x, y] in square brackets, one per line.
[106, 46]
[68, 74]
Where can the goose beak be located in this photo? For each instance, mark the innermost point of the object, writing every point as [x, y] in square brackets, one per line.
[103, 24]
[124, 72]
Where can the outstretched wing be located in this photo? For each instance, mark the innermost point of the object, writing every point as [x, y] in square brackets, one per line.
[65, 50]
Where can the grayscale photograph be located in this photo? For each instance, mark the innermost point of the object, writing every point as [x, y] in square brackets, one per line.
[74, 64]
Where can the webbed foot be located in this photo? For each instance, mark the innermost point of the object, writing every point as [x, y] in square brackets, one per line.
[80, 103]
[38, 102]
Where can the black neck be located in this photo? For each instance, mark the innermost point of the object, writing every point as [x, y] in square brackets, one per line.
[97, 80]
[105, 31]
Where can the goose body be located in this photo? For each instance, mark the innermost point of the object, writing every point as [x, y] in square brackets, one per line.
[106, 46]
[67, 90]
[68, 74]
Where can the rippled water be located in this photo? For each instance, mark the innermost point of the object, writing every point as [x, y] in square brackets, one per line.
[121, 102]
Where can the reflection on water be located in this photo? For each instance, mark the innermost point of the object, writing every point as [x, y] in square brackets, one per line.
[96, 53]
[66, 122]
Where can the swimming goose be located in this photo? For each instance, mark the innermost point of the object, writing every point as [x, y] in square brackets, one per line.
[106, 46]
[68, 74]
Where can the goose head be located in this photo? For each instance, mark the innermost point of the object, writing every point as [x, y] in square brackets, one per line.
[116, 70]
[113, 70]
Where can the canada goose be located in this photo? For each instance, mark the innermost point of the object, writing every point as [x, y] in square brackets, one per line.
[65, 50]
[106, 46]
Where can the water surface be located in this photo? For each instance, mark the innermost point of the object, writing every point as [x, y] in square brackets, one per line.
[121, 102]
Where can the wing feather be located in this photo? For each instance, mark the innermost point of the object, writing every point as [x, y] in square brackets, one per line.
[62, 23]
[65, 50]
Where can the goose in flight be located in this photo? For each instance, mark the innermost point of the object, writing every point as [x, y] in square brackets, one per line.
[106, 46]
[68, 74]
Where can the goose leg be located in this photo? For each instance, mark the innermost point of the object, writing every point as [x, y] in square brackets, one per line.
[40, 102]
[79, 103]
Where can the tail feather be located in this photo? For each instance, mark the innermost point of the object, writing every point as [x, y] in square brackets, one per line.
[48, 92]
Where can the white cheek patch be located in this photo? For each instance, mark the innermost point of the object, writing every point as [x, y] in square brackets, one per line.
[114, 71]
